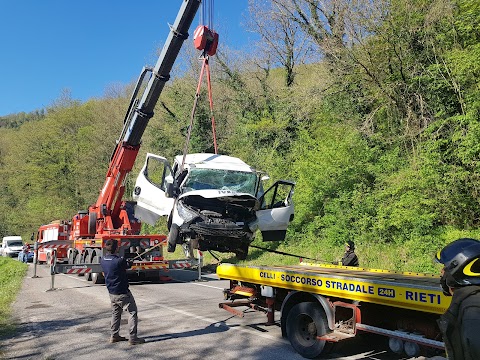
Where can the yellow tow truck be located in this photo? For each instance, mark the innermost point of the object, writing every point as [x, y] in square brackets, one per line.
[324, 304]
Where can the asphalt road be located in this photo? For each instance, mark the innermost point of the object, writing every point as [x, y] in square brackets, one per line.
[179, 319]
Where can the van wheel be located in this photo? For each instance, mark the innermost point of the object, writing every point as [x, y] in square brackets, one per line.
[305, 322]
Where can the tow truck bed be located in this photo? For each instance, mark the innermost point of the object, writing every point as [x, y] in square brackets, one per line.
[411, 291]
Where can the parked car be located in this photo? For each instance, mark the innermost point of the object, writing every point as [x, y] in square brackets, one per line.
[28, 253]
[11, 246]
[213, 202]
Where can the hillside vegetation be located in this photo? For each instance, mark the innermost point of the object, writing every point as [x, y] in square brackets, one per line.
[379, 129]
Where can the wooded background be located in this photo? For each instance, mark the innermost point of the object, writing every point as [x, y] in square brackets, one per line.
[371, 107]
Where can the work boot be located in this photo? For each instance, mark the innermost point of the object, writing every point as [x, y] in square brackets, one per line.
[136, 341]
[117, 338]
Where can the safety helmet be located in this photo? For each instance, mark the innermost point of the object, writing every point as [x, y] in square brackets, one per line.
[461, 260]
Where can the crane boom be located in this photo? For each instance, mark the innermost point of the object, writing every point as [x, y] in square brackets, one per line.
[105, 216]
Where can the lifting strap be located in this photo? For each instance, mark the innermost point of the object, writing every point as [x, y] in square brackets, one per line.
[206, 67]
[284, 253]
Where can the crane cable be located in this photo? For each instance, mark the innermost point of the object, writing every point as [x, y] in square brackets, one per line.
[207, 42]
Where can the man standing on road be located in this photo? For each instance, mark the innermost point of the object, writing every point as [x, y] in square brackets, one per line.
[460, 279]
[115, 271]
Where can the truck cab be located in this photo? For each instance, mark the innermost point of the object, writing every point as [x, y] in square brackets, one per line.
[213, 202]
[57, 230]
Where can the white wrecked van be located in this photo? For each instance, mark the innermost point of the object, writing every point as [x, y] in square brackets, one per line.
[213, 202]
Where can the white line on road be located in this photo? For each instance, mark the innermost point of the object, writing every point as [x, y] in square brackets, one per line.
[216, 323]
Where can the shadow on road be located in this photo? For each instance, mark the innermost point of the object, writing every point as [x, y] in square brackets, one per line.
[210, 329]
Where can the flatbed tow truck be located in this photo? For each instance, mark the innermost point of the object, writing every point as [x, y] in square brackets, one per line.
[321, 305]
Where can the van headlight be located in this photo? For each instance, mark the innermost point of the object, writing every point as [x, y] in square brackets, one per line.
[185, 213]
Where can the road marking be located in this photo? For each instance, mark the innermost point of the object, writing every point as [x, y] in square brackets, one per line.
[217, 323]
[199, 284]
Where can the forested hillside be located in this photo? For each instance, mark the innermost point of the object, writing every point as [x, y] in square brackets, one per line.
[372, 108]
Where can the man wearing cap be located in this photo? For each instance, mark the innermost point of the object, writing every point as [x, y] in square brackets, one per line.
[349, 257]
[460, 278]
[115, 272]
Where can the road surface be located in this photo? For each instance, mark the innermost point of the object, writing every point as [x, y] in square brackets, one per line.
[179, 319]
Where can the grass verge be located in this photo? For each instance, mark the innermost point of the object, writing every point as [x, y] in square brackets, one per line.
[378, 256]
[12, 273]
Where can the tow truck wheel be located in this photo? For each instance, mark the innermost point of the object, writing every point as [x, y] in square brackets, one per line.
[306, 321]
[97, 278]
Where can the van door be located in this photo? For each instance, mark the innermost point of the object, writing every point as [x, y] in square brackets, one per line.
[153, 189]
[276, 211]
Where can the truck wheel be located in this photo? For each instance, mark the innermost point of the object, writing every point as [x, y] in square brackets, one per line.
[88, 276]
[92, 223]
[306, 321]
[71, 256]
[97, 278]
[78, 260]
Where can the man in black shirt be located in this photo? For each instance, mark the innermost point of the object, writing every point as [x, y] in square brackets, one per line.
[350, 258]
[115, 271]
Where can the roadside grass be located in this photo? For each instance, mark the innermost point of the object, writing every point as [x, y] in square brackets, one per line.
[379, 256]
[12, 273]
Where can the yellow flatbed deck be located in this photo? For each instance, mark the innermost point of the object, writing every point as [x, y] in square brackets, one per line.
[406, 290]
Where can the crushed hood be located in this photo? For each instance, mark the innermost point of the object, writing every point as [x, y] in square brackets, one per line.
[228, 196]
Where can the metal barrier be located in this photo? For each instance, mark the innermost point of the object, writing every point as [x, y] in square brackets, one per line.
[200, 263]
[35, 259]
[53, 263]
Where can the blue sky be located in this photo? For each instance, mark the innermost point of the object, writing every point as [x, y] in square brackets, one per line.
[85, 46]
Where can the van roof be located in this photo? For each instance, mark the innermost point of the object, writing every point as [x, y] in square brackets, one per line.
[214, 161]
[13, 237]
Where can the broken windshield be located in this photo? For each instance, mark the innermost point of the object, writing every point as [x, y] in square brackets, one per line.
[202, 179]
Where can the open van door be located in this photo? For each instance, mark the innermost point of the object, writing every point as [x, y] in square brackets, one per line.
[153, 190]
[276, 211]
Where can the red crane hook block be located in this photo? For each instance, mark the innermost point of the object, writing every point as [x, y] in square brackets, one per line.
[205, 39]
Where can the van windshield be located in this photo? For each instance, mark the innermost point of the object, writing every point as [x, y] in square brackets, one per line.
[217, 179]
[14, 243]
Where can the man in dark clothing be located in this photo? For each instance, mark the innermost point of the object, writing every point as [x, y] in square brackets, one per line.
[115, 271]
[460, 325]
[350, 258]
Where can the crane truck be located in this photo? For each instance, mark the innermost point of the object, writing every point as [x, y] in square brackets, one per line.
[110, 217]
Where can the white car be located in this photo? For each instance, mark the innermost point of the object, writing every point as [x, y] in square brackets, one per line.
[213, 202]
